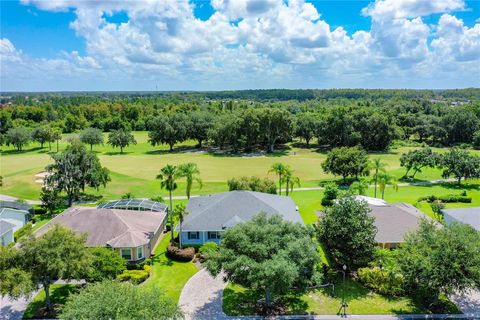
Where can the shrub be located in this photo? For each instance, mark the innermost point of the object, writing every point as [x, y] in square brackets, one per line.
[185, 254]
[23, 231]
[158, 199]
[437, 207]
[253, 184]
[382, 281]
[128, 195]
[135, 276]
[330, 194]
[206, 250]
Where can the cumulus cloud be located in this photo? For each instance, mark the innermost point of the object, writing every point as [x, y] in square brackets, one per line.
[247, 43]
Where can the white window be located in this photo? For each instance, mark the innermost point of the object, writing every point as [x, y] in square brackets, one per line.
[126, 253]
[195, 235]
[140, 252]
[213, 235]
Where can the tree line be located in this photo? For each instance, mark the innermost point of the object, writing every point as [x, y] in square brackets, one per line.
[243, 126]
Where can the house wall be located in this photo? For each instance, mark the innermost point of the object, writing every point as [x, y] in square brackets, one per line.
[17, 217]
[6, 238]
[203, 238]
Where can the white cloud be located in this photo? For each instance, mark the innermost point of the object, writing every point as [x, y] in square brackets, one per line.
[401, 9]
[257, 43]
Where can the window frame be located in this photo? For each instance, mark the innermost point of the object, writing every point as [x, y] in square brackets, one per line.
[131, 253]
[216, 233]
[197, 235]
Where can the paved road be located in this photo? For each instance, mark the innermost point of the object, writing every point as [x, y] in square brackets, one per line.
[421, 183]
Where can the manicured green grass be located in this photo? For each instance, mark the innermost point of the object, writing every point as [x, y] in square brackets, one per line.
[240, 301]
[135, 170]
[167, 274]
[58, 296]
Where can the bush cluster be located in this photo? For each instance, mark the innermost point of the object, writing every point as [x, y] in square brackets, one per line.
[382, 281]
[135, 276]
[450, 198]
[185, 254]
[253, 184]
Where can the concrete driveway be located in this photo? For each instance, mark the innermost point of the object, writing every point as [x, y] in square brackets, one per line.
[201, 297]
[12, 309]
[468, 302]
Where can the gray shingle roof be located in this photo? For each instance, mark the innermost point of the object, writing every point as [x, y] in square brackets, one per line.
[114, 227]
[469, 216]
[223, 210]
[5, 226]
[394, 221]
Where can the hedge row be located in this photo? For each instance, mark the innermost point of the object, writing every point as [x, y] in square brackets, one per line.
[451, 198]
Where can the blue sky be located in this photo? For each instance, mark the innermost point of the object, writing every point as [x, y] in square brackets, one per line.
[220, 44]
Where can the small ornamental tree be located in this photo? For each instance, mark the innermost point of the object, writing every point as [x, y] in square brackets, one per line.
[347, 162]
[106, 264]
[121, 138]
[18, 137]
[348, 232]
[441, 260]
[40, 263]
[120, 300]
[51, 199]
[91, 136]
[267, 254]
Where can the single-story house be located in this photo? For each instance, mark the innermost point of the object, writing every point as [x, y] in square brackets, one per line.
[393, 221]
[469, 216]
[11, 220]
[132, 233]
[6, 232]
[209, 216]
[19, 218]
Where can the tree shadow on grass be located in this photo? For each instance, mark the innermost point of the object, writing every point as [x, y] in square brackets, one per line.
[236, 303]
[58, 295]
[16, 152]
[452, 185]
[117, 153]
[176, 150]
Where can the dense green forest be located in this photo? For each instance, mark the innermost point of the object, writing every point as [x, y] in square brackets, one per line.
[253, 119]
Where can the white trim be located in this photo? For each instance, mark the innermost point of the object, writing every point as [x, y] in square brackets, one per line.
[143, 252]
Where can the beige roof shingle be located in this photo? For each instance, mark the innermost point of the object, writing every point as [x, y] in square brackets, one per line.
[114, 227]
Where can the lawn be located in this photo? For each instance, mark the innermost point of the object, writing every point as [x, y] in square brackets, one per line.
[167, 274]
[58, 295]
[240, 301]
[135, 170]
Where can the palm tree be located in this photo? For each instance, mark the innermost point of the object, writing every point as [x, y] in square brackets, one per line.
[385, 179]
[378, 166]
[290, 180]
[180, 212]
[359, 187]
[191, 172]
[168, 176]
[279, 169]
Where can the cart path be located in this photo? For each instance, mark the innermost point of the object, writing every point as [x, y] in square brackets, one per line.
[420, 183]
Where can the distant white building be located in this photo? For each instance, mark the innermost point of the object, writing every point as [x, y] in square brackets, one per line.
[13, 216]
